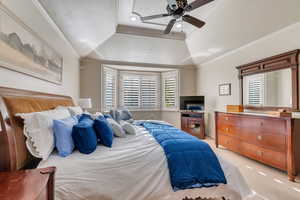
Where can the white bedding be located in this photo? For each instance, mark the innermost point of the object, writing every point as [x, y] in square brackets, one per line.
[134, 169]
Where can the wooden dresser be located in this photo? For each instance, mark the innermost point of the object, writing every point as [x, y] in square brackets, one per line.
[36, 184]
[274, 141]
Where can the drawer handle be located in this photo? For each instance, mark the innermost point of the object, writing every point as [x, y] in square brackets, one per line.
[259, 137]
[227, 129]
[226, 118]
[261, 124]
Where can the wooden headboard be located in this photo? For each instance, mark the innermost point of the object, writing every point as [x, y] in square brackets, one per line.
[13, 152]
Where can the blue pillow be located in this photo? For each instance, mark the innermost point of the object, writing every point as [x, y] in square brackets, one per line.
[84, 136]
[104, 131]
[84, 116]
[107, 116]
[63, 135]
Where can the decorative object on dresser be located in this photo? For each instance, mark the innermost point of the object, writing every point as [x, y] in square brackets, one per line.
[225, 89]
[235, 108]
[37, 184]
[193, 123]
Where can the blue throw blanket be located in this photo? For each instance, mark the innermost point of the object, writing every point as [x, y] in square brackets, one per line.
[191, 162]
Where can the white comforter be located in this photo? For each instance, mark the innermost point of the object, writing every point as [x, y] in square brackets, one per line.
[134, 169]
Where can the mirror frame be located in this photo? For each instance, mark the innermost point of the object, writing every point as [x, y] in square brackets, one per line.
[278, 62]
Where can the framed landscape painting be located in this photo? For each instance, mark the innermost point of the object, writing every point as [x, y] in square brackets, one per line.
[23, 51]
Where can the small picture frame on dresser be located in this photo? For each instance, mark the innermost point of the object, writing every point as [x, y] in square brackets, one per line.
[225, 89]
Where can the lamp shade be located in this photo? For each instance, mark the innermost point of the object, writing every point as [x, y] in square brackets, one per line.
[85, 103]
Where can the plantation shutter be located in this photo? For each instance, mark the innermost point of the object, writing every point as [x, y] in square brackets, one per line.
[110, 89]
[140, 91]
[256, 91]
[170, 90]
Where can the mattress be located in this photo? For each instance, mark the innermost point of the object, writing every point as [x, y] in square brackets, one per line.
[135, 168]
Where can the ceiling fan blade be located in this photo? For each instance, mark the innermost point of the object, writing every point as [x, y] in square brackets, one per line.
[196, 4]
[194, 21]
[154, 17]
[170, 26]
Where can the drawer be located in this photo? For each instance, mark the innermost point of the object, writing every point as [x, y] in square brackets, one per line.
[228, 142]
[273, 158]
[269, 125]
[276, 142]
[228, 119]
[229, 129]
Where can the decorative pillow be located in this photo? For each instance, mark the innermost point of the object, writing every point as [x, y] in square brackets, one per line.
[96, 115]
[39, 132]
[118, 131]
[125, 114]
[63, 135]
[129, 128]
[84, 136]
[104, 131]
[74, 110]
[115, 114]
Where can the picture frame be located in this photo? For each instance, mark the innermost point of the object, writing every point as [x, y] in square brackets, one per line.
[24, 51]
[225, 89]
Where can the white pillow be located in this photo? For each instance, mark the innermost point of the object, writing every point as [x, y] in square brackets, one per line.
[117, 129]
[129, 128]
[74, 110]
[96, 115]
[39, 133]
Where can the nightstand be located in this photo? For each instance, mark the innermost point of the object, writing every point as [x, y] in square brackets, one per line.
[36, 184]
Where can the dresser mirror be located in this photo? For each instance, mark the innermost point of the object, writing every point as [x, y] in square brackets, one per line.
[271, 84]
[270, 89]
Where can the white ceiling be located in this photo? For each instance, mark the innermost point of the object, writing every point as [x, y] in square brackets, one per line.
[85, 23]
[130, 48]
[230, 24]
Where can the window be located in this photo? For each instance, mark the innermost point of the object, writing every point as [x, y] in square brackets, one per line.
[255, 90]
[140, 91]
[170, 90]
[109, 88]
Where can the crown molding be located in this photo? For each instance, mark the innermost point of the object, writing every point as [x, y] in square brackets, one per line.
[137, 64]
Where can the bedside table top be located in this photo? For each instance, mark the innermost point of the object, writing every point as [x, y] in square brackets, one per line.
[27, 184]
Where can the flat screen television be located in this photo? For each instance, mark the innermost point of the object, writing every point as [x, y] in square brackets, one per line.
[192, 103]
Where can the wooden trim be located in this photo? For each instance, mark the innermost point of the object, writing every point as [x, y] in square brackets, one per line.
[278, 62]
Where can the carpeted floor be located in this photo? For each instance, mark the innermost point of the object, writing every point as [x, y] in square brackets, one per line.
[269, 183]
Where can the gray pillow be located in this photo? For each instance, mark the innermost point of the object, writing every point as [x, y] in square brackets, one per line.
[117, 129]
[115, 114]
[129, 128]
[125, 114]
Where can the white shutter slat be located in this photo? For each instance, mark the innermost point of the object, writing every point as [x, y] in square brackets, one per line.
[110, 88]
[170, 90]
[140, 90]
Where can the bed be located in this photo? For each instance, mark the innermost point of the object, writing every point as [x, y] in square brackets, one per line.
[134, 169]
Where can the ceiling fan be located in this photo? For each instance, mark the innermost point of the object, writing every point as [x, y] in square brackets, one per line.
[177, 9]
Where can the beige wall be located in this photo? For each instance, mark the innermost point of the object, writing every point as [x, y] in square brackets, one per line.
[222, 69]
[31, 15]
[90, 86]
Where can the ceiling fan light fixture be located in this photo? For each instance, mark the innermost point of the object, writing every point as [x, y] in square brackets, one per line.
[179, 25]
[133, 18]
